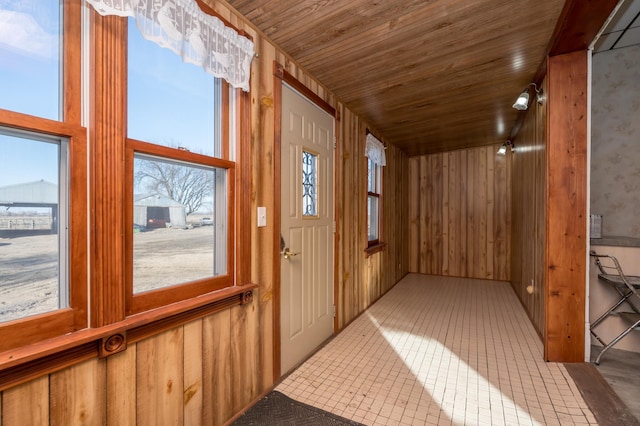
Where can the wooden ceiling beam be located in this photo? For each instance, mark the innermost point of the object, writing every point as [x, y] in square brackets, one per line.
[578, 25]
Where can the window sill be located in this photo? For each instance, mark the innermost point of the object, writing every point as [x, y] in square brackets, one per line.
[26, 363]
[370, 251]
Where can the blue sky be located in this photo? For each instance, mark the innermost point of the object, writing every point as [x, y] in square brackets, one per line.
[170, 102]
[29, 78]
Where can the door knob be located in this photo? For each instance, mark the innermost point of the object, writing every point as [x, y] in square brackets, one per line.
[288, 253]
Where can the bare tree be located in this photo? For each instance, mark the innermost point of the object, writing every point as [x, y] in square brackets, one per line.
[187, 185]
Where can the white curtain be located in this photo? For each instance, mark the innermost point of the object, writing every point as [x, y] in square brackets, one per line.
[375, 150]
[199, 38]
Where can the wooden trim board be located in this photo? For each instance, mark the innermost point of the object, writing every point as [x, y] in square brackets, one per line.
[605, 404]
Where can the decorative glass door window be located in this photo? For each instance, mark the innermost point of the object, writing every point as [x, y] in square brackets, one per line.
[309, 184]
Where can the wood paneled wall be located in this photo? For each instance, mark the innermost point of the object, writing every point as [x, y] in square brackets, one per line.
[206, 371]
[459, 209]
[528, 194]
[362, 280]
[192, 375]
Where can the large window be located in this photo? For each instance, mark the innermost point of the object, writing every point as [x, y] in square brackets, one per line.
[118, 162]
[33, 224]
[376, 159]
[179, 218]
[182, 177]
[42, 172]
[373, 203]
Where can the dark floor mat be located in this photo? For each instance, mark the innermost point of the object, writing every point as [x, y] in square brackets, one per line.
[278, 409]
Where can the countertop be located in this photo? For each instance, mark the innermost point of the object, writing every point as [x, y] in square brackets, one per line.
[615, 241]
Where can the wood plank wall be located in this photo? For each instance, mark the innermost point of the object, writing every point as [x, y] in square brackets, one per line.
[206, 371]
[528, 195]
[191, 375]
[361, 281]
[459, 209]
[566, 230]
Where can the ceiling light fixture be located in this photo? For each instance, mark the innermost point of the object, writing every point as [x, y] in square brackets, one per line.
[522, 103]
[503, 148]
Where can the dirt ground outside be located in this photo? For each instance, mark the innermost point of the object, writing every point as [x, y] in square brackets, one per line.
[164, 257]
[29, 266]
[28, 275]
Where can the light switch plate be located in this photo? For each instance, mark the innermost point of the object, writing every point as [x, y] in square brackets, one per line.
[262, 216]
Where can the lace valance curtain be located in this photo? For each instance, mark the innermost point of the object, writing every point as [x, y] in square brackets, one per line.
[375, 150]
[199, 38]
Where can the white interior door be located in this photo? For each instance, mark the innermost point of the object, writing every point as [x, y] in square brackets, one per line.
[307, 146]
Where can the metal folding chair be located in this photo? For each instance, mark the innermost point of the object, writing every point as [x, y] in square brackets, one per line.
[627, 287]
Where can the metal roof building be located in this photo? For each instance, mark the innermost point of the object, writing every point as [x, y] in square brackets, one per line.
[158, 210]
[40, 193]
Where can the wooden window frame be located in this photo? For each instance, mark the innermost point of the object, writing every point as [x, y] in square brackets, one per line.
[136, 303]
[44, 343]
[377, 172]
[114, 154]
[376, 245]
[44, 326]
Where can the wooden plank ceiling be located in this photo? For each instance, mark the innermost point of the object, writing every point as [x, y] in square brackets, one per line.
[427, 75]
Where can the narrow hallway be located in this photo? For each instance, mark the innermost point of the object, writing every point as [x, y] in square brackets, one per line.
[438, 351]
